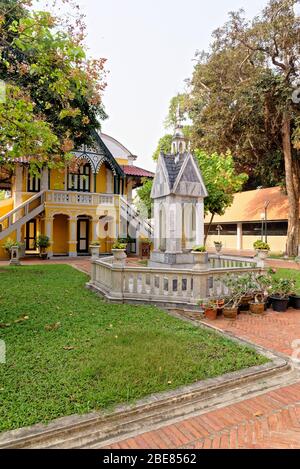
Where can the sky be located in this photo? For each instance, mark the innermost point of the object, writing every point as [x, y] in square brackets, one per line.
[150, 47]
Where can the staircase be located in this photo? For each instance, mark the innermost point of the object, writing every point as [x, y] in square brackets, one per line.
[137, 222]
[16, 218]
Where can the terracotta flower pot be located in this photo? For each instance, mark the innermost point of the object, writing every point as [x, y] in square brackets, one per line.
[210, 313]
[230, 313]
[257, 308]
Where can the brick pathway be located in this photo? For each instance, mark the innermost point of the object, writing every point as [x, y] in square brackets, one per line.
[271, 420]
[274, 331]
[268, 421]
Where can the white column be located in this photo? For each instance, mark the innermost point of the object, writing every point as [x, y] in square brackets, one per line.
[129, 190]
[72, 243]
[199, 222]
[49, 233]
[156, 226]
[239, 236]
[95, 229]
[109, 181]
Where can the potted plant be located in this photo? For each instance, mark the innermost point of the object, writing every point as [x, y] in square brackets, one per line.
[119, 250]
[200, 254]
[146, 246]
[43, 242]
[238, 287]
[294, 301]
[94, 248]
[262, 249]
[218, 246]
[210, 308]
[258, 305]
[10, 243]
[281, 289]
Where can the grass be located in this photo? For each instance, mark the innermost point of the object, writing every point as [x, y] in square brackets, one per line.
[290, 274]
[70, 352]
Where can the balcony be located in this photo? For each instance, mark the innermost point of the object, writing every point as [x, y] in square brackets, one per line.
[80, 198]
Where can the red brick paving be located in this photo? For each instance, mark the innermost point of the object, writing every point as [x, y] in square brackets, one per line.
[274, 331]
[259, 422]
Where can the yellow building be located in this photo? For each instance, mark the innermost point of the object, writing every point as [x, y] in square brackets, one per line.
[75, 207]
[256, 214]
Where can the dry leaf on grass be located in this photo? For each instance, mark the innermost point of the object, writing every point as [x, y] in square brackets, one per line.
[52, 327]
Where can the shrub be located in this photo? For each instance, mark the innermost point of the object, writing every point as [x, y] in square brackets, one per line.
[199, 249]
[43, 241]
[261, 245]
[118, 245]
[9, 243]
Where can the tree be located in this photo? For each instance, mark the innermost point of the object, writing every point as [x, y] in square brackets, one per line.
[221, 181]
[164, 145]
[143, 200]
[53, 92]
[247, 106]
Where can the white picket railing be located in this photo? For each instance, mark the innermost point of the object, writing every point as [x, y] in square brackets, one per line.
[81, 198]
[20, 215]
[160, 285]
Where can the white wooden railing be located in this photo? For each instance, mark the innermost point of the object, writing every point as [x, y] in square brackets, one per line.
[81, 198]
[160, 285]
[129, 213]
[20, 215]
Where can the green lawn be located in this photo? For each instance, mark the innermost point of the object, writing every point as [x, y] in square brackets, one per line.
[70, 352]
[290, 274]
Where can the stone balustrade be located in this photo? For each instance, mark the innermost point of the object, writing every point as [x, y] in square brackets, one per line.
[81, 198]
[164, 286]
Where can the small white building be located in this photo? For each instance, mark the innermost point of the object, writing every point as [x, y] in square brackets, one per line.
[178, 194]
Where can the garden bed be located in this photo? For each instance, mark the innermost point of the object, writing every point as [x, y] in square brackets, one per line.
[70, 352]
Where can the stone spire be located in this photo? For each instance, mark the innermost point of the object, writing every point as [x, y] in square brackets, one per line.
[179, 144]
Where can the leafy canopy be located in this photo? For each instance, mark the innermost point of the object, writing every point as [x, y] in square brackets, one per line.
[53, 92]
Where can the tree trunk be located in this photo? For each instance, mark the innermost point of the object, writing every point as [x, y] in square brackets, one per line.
[208, 228]
[292, 187]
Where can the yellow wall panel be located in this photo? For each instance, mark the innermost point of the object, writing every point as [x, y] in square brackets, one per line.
[60, 234]
[6, 206]
[101, 180]
[122, 161]
[57, 179]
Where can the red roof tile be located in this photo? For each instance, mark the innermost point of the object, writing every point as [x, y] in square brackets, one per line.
[131, 170]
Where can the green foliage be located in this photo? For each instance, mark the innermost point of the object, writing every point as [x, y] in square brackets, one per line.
[181, 100]
[282, 287]
[164, 146]
[261, 245]
[119, 245]
[221, 180]
[43, 241]
[9, 243]
[53, 92]
[75, 353]
[199, 249]
[143, 201]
